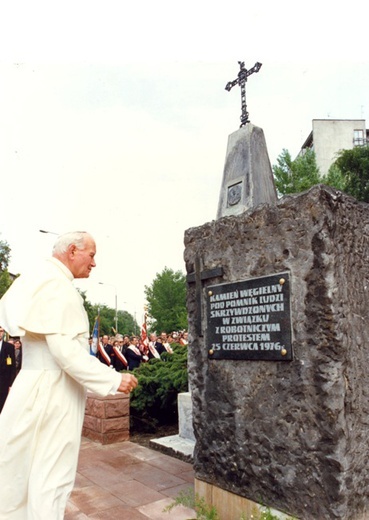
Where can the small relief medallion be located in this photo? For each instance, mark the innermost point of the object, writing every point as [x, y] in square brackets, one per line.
[234, 194]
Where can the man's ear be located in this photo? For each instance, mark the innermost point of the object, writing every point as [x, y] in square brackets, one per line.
[71, 250]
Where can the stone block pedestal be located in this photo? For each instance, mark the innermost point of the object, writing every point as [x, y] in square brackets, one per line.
[185, 416]
[292, 435]
[106, 418]
[182, 445]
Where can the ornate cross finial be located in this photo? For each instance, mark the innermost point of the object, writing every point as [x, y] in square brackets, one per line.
[241, 80]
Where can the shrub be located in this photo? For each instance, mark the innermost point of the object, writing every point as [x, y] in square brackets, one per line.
[154, 401]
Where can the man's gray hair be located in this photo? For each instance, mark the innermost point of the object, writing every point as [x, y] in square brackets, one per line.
[76, 238]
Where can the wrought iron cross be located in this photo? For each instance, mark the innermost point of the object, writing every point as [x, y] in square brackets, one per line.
[241, 80]
[197, 277]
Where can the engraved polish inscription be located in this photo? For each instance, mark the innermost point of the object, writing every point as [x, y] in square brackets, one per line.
[250, 320]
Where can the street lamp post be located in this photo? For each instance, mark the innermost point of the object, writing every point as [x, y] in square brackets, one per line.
[48, 232]
[116, 304]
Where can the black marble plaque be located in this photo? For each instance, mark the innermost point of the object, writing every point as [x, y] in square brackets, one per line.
[250, 320]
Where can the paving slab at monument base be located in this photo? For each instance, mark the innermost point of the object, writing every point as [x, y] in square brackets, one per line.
[174, 445]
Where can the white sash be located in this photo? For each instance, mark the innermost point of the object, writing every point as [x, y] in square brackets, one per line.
[168, 348]
[120, 356]
[153, 351]
[104, 354]
[135, 350]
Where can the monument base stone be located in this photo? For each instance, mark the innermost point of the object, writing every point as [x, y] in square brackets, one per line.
[292, 435]
[230, 506]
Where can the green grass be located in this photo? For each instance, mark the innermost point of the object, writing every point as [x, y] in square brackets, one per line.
[206, 512]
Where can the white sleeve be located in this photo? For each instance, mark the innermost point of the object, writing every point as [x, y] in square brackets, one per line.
[81, 366]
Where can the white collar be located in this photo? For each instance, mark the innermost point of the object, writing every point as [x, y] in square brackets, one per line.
[62, 267]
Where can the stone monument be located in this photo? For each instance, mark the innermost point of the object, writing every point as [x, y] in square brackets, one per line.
[291, 431]
[278, 357]
[247, 178]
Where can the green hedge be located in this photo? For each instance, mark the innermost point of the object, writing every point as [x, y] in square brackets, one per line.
[154, 401]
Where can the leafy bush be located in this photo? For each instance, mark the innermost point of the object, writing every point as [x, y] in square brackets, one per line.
[154, 401]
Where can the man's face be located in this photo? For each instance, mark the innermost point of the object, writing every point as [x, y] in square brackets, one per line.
[105, 340]
[84, 259]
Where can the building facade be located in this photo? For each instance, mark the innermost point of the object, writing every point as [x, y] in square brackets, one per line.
[329, 136]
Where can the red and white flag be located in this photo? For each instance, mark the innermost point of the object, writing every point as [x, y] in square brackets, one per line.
[144, 338]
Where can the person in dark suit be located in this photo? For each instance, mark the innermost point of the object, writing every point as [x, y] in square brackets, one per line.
[120, 361]
[153, 352]
[159, 345]
[105, 351]
[133, 354]
[18, 353]
[7, 367]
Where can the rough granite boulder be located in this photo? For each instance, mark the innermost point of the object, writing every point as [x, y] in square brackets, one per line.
[292, 435]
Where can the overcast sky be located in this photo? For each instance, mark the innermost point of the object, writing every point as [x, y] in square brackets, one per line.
[114, 117]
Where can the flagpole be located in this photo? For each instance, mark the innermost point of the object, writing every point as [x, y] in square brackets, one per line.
[98, 324]
[144, 337]
[95, 335]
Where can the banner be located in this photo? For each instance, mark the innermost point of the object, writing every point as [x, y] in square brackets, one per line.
[95, 337]
[144, 338]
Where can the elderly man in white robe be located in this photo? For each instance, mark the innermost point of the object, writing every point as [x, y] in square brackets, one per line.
[41, 423]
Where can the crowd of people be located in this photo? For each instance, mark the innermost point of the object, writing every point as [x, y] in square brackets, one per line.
[124, 352]
[121, 352]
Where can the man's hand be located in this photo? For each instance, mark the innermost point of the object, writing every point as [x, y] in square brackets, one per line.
[128, 383]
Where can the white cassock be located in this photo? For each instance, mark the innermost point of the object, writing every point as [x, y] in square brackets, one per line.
[41, 422]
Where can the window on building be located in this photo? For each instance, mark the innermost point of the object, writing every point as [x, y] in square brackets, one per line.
[359, 138]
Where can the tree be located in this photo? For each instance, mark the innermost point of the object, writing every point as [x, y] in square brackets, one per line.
[354, 167]
[334, 178]
[4, 255]
[5, 278]
[294, 176]
[349, 173]
[5, 282]
[88, 308]
[126, 322]
[166, 299]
